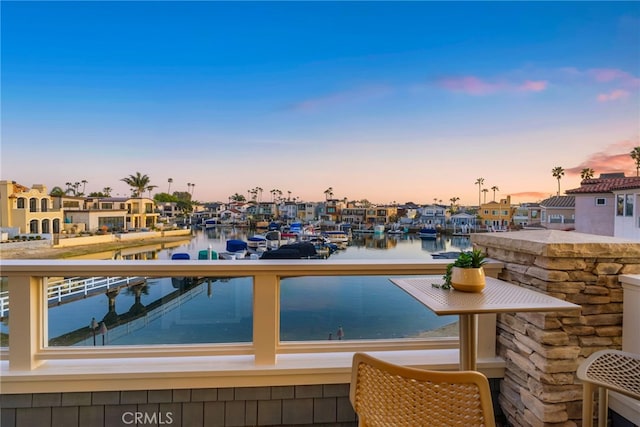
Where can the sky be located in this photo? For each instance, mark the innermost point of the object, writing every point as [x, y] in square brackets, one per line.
[385, 101]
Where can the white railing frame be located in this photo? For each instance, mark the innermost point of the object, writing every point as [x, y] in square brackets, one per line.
[28, 318]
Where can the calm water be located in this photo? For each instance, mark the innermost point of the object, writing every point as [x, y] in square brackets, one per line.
[219, 310]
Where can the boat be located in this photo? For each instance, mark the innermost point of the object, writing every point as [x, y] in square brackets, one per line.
[302, 250]
[428, 233]
[336, 236]
[236, 249]
[207, 254]
[210, 222]
[257, 243]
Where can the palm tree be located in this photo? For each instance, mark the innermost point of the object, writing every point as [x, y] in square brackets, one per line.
[453, 203]
[586, 173]
[485, 191]
[328, 193]
[193, 187]
[479, 183]
[107, 191]
[635, 155]
[170, 180]
[84, 185]
[288, 195]
[138, 183]
[494, 188]
[149, 188]
[68, 190]
[558, 172]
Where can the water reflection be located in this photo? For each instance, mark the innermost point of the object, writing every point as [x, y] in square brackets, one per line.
[215, 310]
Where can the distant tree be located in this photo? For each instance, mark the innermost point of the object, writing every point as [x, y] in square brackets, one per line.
[57, 192]
[479, 183]
[494, 189]
[586, 173]
[635, 155]
[164, 198]
[84, 185]
[170, 180]
[149, 188]
[558, 173]
[453, 201]
[138, 183]
[107, 191]
[238, 198]
[328, 193]
[97, 194]
[485, 191]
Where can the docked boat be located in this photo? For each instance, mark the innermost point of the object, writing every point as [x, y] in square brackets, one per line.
[210, 222]
[428, 233]
[236, 249]
[337, 237]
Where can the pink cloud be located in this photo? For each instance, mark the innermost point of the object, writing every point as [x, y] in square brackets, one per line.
[604, 75]
[613, 95]
[472, 85]
[469, 85]
[533, 86]
[615, 157]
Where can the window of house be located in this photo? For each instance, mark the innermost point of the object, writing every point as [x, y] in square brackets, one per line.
[601, 201]
[620, 205]
[21, 203]
[628, 205]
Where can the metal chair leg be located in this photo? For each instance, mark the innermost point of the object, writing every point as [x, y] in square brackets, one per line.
[587, 404]
[603, 406]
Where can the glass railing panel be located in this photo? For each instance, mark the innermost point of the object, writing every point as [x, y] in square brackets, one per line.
[355, 308]
[147, 311]
[4, 312]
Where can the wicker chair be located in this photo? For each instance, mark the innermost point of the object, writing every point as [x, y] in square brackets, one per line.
[385, 394]
[607, 370]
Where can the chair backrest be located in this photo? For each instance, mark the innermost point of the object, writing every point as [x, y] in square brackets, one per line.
[385, 394]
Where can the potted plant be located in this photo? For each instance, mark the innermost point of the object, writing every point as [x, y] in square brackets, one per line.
[466, 273]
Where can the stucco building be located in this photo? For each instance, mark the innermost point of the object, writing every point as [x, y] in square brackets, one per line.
[29, 210]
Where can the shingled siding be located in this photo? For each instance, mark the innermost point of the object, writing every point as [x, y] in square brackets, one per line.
[543, 350]
[315, 405]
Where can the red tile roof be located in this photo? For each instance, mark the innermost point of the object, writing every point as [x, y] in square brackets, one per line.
[606, 185]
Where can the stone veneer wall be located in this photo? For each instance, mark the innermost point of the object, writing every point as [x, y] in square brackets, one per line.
[544, 350]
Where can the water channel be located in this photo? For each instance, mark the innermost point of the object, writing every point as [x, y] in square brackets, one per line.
[219, 310]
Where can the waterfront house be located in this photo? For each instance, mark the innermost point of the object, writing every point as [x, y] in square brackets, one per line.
[28, 210]
[558, 213]
[307, 211]
[432, 216]
[527, 214]
[354, 215]
[608, 206]
[496, 215]
[463, 222]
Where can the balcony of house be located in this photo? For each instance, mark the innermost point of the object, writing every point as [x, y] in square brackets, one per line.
[270, 378]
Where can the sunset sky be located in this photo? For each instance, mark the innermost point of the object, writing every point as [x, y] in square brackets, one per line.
[388, 101]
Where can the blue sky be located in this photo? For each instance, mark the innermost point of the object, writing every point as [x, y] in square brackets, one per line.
[388, 101]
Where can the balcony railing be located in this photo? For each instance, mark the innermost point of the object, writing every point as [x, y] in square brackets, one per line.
[28, 355]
